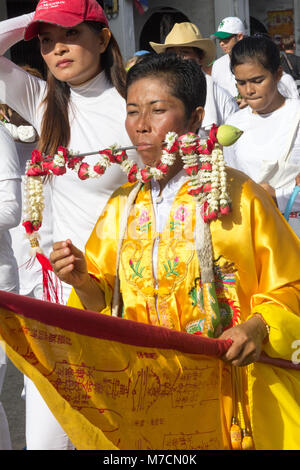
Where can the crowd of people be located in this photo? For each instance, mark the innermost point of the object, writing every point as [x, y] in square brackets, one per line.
[91, 100]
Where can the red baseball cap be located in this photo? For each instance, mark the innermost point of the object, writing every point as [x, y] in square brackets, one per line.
[65, 13]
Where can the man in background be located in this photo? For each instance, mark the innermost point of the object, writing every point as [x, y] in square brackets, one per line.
[230, 31]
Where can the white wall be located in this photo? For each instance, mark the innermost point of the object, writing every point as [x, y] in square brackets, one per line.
[122, 28]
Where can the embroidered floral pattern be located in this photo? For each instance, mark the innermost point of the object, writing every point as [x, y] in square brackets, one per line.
[171, 268]
[144, 221]
[180, 216]
[137, 271]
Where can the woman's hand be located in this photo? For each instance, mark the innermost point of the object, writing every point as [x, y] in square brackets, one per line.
[247, 342]
[69, 263]
[298, 179]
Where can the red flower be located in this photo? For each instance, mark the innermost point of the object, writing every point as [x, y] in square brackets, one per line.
[99, 169]
[109, 154]
[83, 171]
[146, 175]
[36, 224]
[120, 156]
[212, 215]
[162, 167]
[225, 210]
[64, 151]
[36, 156]
[194, 192]
[74, 161]
[31, 227]
[28, 227]
[55, 169]
[207, 188]
[58, 170]
[209, 148]
[132, 173]
[206, 166]
[36, 170]
[174, 147]
[213, 134]
[192, 170]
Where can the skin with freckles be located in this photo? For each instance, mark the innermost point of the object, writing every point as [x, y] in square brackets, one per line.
[73, 54]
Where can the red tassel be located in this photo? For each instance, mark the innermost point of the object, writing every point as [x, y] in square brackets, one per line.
[52, 288]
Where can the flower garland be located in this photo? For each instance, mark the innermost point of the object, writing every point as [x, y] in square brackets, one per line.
[203, 161]
[208, 181]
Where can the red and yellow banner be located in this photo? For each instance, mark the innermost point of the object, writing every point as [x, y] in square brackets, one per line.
[118, 384]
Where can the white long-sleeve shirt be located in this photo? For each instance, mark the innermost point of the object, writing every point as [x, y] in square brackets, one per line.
[10, 209]
[97, 118]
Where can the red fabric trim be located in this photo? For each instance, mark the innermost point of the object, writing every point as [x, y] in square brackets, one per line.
[276, 361]
[109, 328]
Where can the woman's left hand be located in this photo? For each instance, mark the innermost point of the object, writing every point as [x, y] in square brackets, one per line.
[247, 342]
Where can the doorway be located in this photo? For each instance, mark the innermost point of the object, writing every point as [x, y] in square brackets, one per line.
[158, 26]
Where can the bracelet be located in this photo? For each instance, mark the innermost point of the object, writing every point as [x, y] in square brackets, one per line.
[264, 322]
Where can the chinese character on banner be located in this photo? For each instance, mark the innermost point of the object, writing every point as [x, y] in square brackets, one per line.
[141, 5]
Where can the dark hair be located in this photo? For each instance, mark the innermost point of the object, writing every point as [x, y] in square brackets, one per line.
[184, 78]
[259, 48]
[55, 125]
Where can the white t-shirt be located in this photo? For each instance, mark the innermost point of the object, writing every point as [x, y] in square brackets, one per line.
[222, 75]
[97, 117]
[266, 138]
[218, 107]
[10, 209]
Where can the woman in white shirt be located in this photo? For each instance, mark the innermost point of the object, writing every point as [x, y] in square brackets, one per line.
[79, 107]
[10, 215]
[269, 149]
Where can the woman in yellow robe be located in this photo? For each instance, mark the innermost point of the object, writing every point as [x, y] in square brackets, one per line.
[141, 261]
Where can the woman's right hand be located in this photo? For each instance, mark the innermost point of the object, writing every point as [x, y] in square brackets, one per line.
[69, 264]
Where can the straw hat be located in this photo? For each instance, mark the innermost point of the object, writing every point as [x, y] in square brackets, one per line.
[187, 35]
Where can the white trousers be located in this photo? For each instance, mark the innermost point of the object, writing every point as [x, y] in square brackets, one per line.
[43, 432]
[5, 441]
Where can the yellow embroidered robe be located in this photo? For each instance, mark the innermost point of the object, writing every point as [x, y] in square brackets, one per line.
[256, 263]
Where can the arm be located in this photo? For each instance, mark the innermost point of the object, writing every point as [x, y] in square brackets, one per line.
[18, 89]
[10, 204]
[282, 194]
[70, 266]
[273, 282]
[288, 87]
[12, 31]
[10, 183]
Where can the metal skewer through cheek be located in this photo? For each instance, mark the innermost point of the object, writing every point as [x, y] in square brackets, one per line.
[120, 149]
